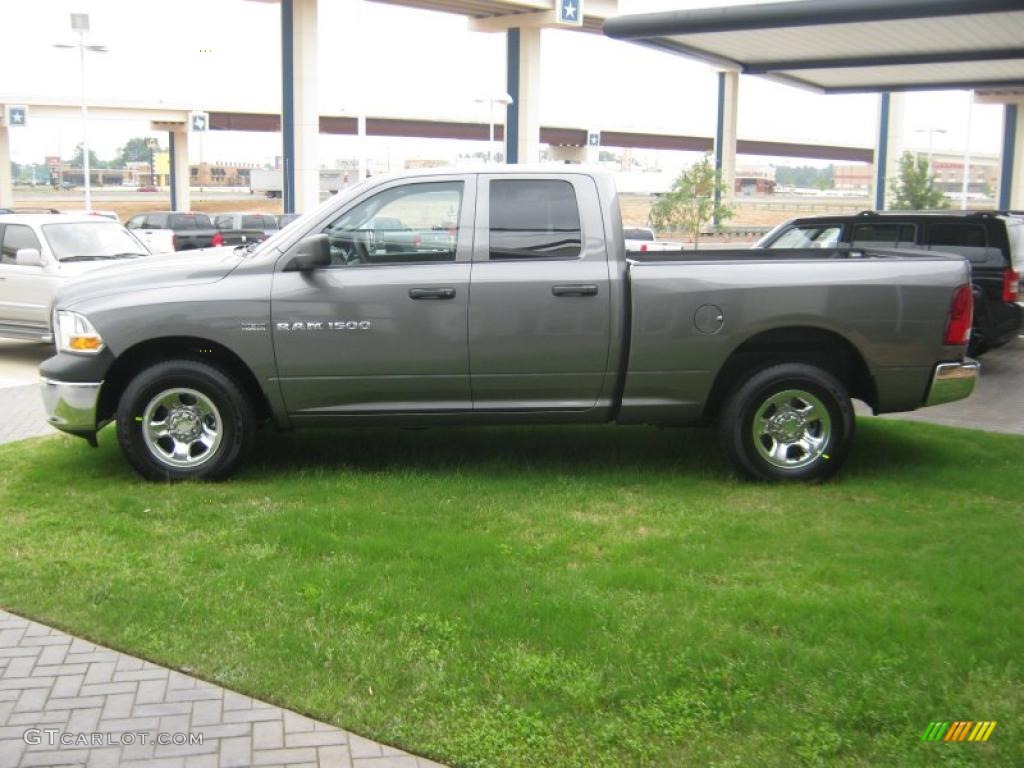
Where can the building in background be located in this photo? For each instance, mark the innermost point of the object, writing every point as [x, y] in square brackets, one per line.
[758, 180]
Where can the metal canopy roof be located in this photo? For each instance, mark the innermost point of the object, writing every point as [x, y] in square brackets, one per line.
[849, 46]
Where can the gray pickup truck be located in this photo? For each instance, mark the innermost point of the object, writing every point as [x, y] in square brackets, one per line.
[502, 296]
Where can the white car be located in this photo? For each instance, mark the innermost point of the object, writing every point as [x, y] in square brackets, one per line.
[40, 252]
[642, 240]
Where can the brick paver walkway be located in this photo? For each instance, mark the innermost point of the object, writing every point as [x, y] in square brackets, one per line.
[22, 414]
[53, 685]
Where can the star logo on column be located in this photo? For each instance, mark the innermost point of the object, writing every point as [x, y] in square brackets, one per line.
[569, 11]
[17, 117]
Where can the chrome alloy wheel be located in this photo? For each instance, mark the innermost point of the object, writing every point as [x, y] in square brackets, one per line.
[182, 428]
[792, 429]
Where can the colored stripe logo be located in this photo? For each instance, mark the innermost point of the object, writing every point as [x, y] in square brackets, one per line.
[959, 730]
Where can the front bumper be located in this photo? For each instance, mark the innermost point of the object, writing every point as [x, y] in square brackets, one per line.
[952, 381]
[71, 406]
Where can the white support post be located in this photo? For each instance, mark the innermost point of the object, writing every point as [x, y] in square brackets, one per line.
[6, 186]
[182, 170]
[1016, 179]
[730, 108]
[307, 109]
[529, 95]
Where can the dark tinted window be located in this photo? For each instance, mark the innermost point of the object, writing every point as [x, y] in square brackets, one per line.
[961, 238]
[224, 222]
[258, 222]
[16, 236]
[883, 235]
[969, 235]
[534, 220]
[155, 221]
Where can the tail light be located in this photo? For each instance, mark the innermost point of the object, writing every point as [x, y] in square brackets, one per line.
[417, 241]
[174, 242]
[218, 239]
[1011, 286]
[961, 315]
[643, 248]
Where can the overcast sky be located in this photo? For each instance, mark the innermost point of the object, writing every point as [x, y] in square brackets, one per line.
[386, 60]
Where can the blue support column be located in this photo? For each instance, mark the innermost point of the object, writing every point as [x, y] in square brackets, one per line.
[512, 81]
[287, 107]
[882, 153]
[174, 176]
[1006, 180]
[720, 138]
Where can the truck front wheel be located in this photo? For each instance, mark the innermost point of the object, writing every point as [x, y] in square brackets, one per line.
[788, 422]
[184, 420]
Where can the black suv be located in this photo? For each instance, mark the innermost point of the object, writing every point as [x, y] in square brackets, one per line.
[993, 242]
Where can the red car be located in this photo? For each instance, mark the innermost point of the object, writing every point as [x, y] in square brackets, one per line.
[148, 188]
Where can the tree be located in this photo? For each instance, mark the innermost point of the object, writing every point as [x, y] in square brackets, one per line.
[94, 162]
[915, 188]
[135, 150]
[692, 202]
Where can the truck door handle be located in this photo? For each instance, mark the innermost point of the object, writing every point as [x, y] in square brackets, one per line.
[431, 293]
[577, 289]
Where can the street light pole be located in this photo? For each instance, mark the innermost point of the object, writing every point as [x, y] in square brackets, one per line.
[504, 99]
[80, 24]
[85, 123]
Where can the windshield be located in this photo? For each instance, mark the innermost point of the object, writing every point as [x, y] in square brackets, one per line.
[101, 239]
[807, 236]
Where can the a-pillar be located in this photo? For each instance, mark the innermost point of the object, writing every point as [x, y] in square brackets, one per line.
[300, 113]
[181, 180]
[889, 145]
[522, 135]
[1011, 176]
[725, 131]
[6, 186]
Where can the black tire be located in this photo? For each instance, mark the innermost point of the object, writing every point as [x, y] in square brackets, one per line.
[203, 399]
[801, 439]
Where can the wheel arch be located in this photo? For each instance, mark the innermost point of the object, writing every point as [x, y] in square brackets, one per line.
[152, 351]
[821, 347]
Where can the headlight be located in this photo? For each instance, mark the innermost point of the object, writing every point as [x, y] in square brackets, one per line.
[74, 333]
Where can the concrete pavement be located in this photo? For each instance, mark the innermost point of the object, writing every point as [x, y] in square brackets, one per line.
[68, 702]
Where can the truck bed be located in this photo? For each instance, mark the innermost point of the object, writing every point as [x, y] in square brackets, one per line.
[780, 254]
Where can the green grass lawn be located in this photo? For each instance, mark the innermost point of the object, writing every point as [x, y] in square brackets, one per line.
[557, 597]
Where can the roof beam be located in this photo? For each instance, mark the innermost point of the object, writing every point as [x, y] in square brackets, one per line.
[801, 13]
[949, 85]
[896, 59]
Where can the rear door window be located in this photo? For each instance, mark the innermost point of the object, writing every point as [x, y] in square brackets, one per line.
[884, 235]
[962, 238]
[534, 219]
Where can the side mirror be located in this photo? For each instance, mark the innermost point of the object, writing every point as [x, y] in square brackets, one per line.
[311, 253]
[28, 257]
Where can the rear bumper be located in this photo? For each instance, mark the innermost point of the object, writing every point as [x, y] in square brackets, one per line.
[71, 406]
[952, 381]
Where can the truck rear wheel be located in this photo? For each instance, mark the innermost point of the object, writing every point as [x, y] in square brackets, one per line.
[788, 422]
[184, 420]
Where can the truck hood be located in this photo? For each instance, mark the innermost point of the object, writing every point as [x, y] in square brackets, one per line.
[171, 270]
